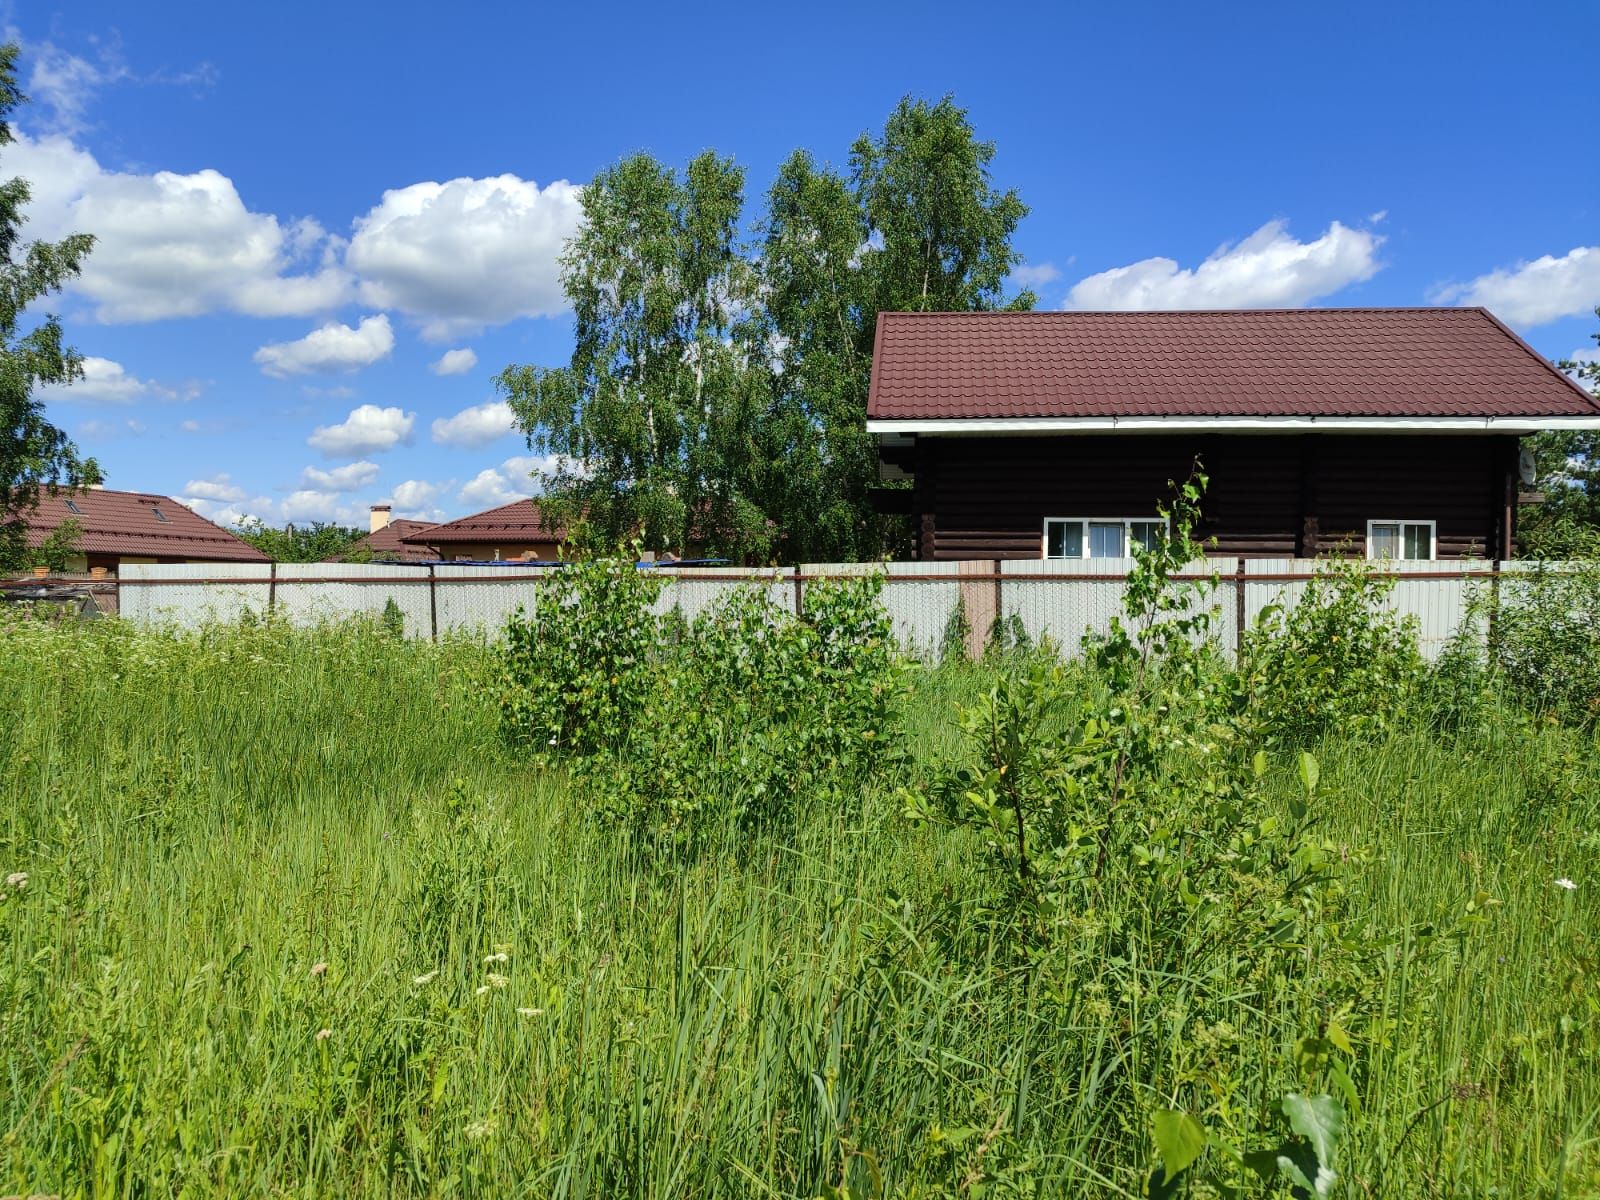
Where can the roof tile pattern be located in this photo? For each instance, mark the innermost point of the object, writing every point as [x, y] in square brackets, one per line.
[519, 521]
[140, 524]
[389, 545]
[1356, 362]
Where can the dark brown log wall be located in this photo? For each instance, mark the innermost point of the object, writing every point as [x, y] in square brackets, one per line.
[1268, 495]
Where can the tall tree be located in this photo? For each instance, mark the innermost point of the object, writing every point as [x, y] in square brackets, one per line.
[307, 543]
[34, 454]
[656, 417]
[917, 226]
[1567, 523]
[717, 400]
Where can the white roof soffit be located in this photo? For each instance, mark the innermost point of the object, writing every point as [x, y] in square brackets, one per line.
[1026, 425]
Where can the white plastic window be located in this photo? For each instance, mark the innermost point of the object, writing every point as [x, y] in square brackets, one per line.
[1106, 537]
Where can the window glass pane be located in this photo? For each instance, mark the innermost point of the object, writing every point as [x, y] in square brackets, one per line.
[1105, 540]
[1064, 539]
[1384, 541]
[1147, 534]
[1419, 542]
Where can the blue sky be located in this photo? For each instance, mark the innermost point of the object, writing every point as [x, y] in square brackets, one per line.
[324, 227]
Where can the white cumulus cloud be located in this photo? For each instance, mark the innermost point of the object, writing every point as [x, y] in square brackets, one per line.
[175, 245]
[454, 362]
[1269, 269]
[1035, 274]
[417, 500]
[512, 480]
[1532, 293]
[341, 479]
[476, 426]
[465, 254]
[219, 488]
[367, 430]
[105, 382]
[332, 348]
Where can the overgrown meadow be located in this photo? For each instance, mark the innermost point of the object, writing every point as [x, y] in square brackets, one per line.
[749, 906]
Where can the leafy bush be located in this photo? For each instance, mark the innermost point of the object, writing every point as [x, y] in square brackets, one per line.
[1336, 660]
[756, 709]
[577, 671]
[1547, 638]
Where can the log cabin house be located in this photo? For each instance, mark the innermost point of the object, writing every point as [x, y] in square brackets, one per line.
[1378, 432]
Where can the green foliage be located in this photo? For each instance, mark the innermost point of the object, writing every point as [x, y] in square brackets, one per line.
[1336, 659]
[1546, 638]
[58, 548]
[281, 912]
[652, 418]
[314, 542]
[753, 712]
[34, 454]
[953, 639]
[1567, 463]
[577, 670]
[716, 397]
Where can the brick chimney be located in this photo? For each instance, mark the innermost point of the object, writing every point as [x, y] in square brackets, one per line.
[380, 517]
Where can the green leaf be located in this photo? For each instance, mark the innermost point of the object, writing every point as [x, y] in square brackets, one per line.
[1179, 1140]
[1309, 771]
[1259, 763]
[1318, 1119]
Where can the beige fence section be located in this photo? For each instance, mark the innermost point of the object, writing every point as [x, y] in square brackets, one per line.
[1064, 601]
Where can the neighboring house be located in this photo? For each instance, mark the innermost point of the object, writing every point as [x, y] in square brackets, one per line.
[386, 542]
[512, 531]
[135, 527]
[1384, 432]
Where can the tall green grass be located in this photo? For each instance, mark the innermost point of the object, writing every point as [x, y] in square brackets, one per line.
[271, 876]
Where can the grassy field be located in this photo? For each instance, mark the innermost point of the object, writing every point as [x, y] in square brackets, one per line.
[296, 922]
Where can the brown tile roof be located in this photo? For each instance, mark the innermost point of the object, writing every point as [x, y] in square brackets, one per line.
[140, 524]
[519, 521]
[388, 544]
[1329, 362]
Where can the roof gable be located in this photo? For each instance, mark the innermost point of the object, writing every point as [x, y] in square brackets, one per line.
[140, 524]
[390, 543]
[1377, 363]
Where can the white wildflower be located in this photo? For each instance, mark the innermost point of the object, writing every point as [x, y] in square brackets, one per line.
[481, 991]
[479, 1130]
[498, 957]
[324, 1034]
[422, 980]
[17, 879]
[530, 1012]
[498, 981]
[320, 968]
[1566, 884]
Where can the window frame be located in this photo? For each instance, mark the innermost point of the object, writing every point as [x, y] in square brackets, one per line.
[1127, 533]
[1402, 522]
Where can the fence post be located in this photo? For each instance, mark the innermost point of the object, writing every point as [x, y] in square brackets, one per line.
[433, 604]
[799, 593]
[272, 588]
[1491, 624]
[1238, 609]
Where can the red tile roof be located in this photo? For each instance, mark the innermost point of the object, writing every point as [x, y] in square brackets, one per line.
[388, 544]
[520, 521]
[140, 524]
[1354, 362]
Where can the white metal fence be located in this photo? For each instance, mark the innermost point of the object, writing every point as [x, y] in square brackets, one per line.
[1062, 600]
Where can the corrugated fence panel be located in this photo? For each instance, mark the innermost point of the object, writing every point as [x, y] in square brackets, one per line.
[167, 600]
[1440, 605]
[310, 593]
[479, 599]
[1080, 596]
[695, 590]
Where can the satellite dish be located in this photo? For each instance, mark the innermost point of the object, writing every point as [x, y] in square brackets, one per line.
[1526, 467]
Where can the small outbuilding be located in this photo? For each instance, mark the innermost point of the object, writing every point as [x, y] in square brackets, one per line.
[1377, 432]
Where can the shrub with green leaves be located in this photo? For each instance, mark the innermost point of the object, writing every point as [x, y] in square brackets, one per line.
[1546, 638]
[578, 668]
[1338, 659]
[755, 709]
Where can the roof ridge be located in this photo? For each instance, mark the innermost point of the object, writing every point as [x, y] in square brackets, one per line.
[1440, 309]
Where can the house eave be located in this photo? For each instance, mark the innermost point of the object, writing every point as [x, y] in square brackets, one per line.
[1015, 426]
